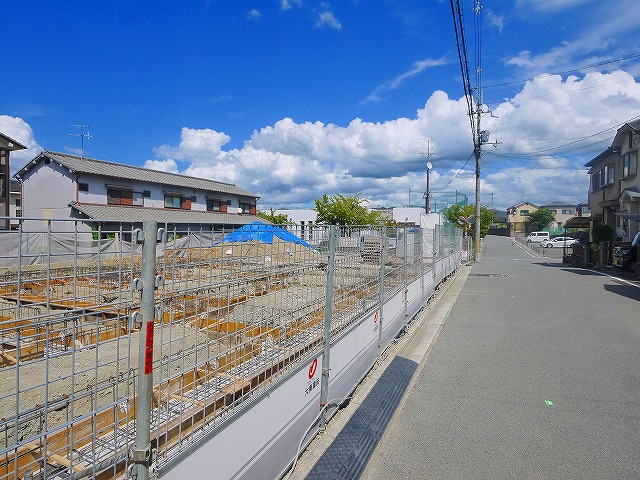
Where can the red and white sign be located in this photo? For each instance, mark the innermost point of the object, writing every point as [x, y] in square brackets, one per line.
[313, 368]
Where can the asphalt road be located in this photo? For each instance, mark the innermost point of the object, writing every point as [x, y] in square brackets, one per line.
[534, 375]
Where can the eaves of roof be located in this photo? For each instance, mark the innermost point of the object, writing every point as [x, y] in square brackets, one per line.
[578, 222]
[622, 131]
[602, 157]
[11, 143]
[126, 214]
[129, 172]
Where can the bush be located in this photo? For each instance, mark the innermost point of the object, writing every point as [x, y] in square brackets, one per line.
[602, 233]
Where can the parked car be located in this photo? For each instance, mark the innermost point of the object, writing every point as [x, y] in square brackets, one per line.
[625, 256]
[537, 237]
[558, 242]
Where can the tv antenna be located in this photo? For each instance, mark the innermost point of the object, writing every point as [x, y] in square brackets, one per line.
[82, 136]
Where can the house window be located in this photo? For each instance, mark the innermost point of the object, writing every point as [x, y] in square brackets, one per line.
[18, 213]
[17, 202]
[568, 211]
[146, 194]
[603, 177]
[611, 174]
[194, 199]
[629, 164]
[524, 212]
[119, 196]
[138, 199]
[213, 205]
[83, 187]
[175, 201]
[246, 207]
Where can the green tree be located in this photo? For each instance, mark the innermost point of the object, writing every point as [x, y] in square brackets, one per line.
[455, 212]
[541, 218]
[342, 210]
[273, 217]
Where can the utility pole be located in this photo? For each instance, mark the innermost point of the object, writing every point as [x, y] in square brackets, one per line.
[480, 136]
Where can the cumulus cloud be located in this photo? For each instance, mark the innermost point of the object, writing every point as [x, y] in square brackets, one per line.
[20, 131]
[545, 134]
[162, 165]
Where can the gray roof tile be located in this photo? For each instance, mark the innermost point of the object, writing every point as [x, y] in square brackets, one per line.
[161, 215]
[119, 170]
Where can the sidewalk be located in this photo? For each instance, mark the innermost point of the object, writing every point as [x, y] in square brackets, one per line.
[533, 375]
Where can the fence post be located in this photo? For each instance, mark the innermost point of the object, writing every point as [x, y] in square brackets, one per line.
[405, 277]
[383, 261]
[141, 453]
[328, 313]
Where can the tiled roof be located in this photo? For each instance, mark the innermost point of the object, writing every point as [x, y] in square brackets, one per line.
[119, 170]
[125, 214]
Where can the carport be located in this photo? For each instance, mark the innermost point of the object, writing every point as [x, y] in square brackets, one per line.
[578, 257]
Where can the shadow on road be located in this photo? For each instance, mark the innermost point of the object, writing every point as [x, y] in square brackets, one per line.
[628, 291]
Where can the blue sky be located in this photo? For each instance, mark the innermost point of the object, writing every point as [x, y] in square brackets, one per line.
[292, 99]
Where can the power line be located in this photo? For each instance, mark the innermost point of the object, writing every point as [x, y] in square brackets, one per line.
[577, 69]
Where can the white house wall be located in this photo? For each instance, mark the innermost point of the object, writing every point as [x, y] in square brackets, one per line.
[98, 193]
[46, 193]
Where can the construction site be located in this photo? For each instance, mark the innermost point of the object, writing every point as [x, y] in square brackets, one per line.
[231, 317]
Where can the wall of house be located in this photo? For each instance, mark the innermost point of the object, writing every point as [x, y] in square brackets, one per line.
[516, 220]
[97, 193]
[47, 191]
[562, 214]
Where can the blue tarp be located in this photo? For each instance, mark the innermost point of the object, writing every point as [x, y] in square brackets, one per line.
[263, 233]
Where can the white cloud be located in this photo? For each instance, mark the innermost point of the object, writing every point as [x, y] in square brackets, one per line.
[20, 131]
[289, 4]
[496, 21]
[539, 157]
[328, 19]
[254, 14]
[162, 165]
[418, 67]
[595, 43]
[195, 145]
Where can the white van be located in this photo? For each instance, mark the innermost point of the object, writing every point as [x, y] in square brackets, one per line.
[537, 237]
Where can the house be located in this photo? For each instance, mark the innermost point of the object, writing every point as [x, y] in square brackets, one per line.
[614, 193]
[7, 145]
[563, 212]
[517, 219]
[61, 186]
[301, 221]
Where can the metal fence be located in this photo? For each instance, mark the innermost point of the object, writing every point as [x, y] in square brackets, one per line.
[120, 348]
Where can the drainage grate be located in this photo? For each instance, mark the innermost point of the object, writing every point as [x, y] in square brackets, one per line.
[348, 455]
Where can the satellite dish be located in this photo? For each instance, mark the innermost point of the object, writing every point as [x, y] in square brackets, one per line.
[239, 210]
[429, 166]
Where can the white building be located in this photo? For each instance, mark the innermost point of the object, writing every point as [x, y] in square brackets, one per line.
[60, 186]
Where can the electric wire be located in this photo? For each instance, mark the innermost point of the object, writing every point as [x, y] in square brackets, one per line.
[577, 69]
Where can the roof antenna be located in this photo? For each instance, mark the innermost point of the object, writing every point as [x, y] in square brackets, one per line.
[82, 136]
